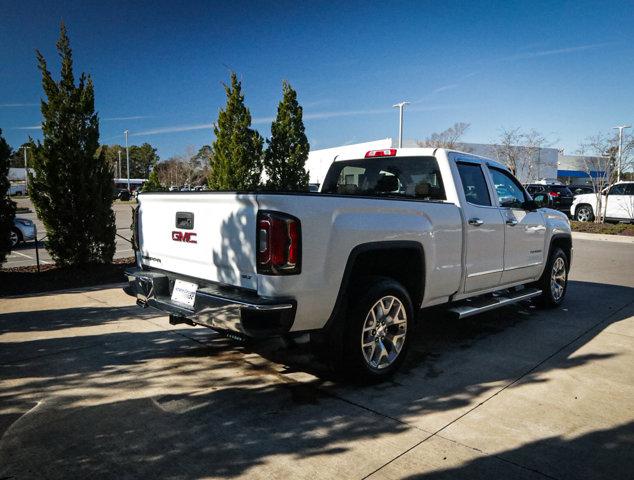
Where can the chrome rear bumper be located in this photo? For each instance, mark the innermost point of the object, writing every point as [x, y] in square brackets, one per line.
[219, 308]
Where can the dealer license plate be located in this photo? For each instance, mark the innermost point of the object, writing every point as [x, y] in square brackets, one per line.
[184, 293]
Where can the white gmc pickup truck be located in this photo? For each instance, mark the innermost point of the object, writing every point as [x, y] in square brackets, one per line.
[389, 233]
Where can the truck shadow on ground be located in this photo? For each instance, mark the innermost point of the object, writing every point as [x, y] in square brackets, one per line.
[598, 454]
[188, 403]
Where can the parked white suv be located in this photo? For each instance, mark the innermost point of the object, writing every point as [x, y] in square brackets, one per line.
[620, 204]
[390, 232]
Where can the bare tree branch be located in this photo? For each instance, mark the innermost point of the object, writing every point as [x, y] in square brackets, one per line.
[449, 138]
[603, 148]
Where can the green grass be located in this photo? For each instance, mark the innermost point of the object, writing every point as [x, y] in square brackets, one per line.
[604, 228]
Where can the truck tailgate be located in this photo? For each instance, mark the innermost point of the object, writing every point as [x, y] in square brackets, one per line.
[209, 236]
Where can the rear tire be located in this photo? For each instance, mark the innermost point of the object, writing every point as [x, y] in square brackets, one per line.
[377, 330]
[554, 280]
[584, 213]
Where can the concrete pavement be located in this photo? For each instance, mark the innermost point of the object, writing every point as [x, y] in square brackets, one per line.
[93, 386]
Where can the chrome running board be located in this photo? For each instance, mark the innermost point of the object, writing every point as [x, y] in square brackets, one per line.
[466, 308]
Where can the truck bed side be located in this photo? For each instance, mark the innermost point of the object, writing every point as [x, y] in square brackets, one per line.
[332, 226]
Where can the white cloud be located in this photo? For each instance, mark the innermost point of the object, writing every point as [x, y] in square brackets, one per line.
[32, 127]
[11, 105]
[134, 117]
[172, 129]
[557, 51]
[444, 88]
[307, 117]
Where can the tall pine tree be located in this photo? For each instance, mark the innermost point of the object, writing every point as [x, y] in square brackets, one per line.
[7, 206]
[72, 185]
[237, 151]
[153, 183]
[287, 152]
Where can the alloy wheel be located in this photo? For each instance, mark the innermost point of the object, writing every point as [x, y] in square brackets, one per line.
[583, 214]
[558, 279]
[384, 331]
[14, 238]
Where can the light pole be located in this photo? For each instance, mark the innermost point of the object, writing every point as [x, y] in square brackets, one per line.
[620, 128]
[26, 171]
[119, 165]
[400, 107]
[127, 156]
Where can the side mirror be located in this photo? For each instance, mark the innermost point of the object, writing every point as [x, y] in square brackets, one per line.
[530, 205]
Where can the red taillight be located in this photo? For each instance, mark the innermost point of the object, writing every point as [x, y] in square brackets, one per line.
[389, 152]
[279, 244]
[554, 194]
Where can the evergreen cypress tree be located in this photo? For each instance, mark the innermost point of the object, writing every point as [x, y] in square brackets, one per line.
[7, 206]
[237, 151]
[153, 183]
[72, 185]
[287, 152]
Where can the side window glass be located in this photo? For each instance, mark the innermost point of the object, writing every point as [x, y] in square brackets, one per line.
[474, 184]
[629, 189]
[510, 193]
[617, 190]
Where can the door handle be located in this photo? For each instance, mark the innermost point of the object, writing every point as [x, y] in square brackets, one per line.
[511, 221]
[476, 222]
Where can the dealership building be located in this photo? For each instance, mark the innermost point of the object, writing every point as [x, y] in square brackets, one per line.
[545, 164]
[579, 169]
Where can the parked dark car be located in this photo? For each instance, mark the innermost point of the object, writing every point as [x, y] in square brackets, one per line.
[559, 196]
[581, 189]
[121, 194]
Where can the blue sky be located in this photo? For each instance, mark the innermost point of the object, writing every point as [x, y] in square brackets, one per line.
[563, 68]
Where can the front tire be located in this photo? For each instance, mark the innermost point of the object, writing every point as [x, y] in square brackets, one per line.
[378, 328]
[584, 213]
[15, 237]
[554, 280]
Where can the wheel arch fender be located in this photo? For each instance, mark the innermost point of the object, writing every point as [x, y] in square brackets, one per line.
[563, 241]
[383, 259]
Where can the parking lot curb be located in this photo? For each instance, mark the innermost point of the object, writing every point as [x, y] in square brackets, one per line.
[602, 237]
[91, 288]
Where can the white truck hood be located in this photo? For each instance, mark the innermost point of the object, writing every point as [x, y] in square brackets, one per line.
[585, 198]
[218, 246]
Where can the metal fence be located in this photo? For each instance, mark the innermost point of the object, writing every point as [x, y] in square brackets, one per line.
[38, 240]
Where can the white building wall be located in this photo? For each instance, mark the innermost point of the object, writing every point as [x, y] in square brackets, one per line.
[580, 163]
[545, 165]
[18, 174]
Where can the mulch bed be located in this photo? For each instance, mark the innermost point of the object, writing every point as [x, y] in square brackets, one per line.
[604, 228]
[25, 280]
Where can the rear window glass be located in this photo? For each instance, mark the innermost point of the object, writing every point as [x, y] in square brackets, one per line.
[560, 189]
[409, 177]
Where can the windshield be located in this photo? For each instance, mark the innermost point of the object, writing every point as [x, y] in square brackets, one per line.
[410, 177]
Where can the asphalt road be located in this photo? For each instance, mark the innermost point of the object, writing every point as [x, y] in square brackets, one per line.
[25, 254]
[92, 386]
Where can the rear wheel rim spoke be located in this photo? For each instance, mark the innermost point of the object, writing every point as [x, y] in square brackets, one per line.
[558, 278]
[384, 332]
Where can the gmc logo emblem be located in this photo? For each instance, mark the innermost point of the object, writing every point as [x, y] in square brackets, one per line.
[187, 237]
